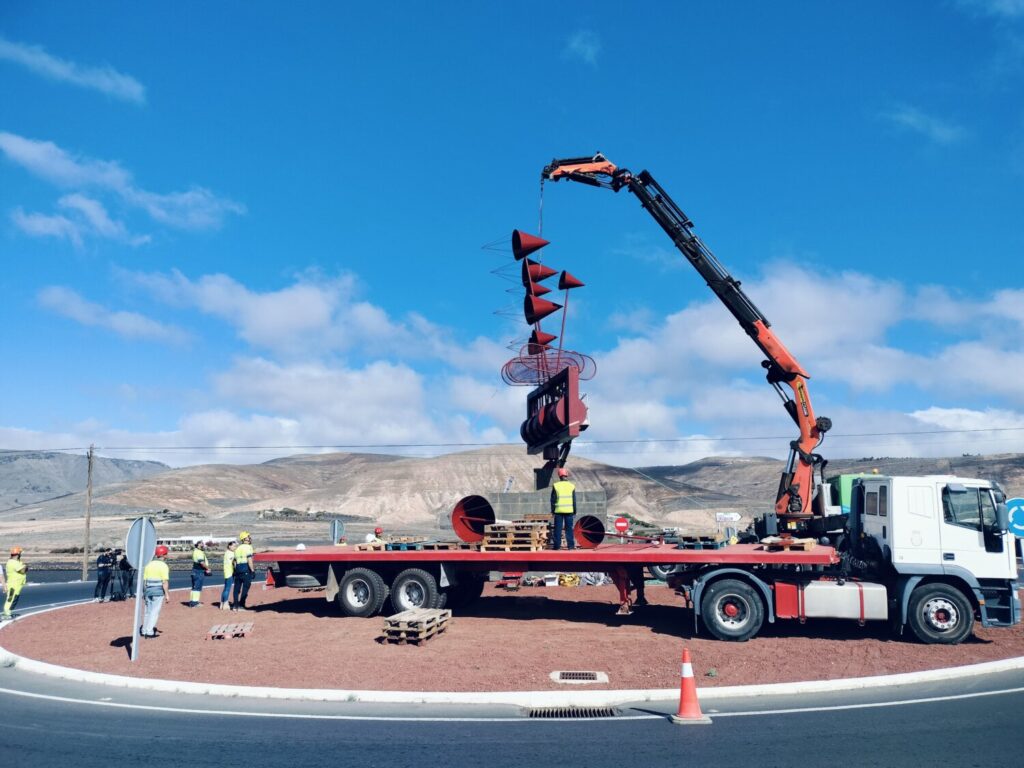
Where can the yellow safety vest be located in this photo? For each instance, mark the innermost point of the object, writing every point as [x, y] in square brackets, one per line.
[242, 554]
[229, 564]
[16, 573]
[199, 559]
[563, 498]
[156, 570]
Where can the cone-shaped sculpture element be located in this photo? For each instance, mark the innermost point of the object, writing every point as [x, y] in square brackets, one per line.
[539, 337]
[566, 281]
[536, 349]
[536, 309]
[536, 289]
[534, 272]
[523, 244]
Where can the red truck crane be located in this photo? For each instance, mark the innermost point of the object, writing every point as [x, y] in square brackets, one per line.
[799, 504]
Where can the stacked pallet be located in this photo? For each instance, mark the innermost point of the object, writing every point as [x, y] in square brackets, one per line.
[371, 547]
[788, 544]
[430, 546]
[515, 537]
[713, 541]
[222, 631]
[416, 625]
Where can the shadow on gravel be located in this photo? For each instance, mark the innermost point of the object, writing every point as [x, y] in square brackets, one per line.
[123, 642]
[313, 606]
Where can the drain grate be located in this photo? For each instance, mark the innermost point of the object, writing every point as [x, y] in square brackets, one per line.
[577, 677]
[574, 713]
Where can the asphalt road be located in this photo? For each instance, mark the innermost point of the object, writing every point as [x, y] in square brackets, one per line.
[43, 721]
[37, 596]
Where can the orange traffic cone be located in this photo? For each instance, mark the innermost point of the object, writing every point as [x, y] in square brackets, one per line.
[269, 583]
[689, 708]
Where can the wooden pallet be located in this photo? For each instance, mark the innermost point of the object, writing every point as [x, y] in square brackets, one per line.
[417, 625]
[430, 546]
[365, 547]
[524, 526]
[535, 518]
[788, 544]
[702, 544]
[404, 539]
[223, 631]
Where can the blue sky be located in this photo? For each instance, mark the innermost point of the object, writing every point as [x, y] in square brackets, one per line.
[259, 225]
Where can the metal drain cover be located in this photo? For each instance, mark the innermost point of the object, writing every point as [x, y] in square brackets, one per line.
[574, 713]
[577, 677]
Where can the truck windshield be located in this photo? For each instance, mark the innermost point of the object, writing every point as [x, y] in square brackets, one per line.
[968, 508]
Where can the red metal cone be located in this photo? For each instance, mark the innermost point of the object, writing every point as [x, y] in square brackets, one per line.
[523, 244]
[566, 281]
[536, 309]
[534, 272]
[536, 289]
[536, 349]
[689, 707]
[539, 337]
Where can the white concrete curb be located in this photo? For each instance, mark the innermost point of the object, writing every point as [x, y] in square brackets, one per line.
[513, 698]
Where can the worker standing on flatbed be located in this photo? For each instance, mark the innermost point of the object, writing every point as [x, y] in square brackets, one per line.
[563, 508]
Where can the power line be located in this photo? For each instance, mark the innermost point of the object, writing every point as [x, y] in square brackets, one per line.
[580, 443]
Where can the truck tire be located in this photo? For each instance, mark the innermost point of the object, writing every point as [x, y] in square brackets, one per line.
[361, 593]
[661, 571]
[414, 588]
[940, 614]
[464, 593]
[732, 610]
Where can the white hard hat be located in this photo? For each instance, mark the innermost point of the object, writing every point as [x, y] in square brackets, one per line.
[369, 538]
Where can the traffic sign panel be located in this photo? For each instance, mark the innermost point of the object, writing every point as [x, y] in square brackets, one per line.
[621, 524]
[1016, 508]
[140, 544]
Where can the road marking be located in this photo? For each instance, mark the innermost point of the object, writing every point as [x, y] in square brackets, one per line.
[391, 718]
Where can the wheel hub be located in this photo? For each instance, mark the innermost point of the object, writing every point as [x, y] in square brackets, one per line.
[359, 593]
[733, 612]
[941, 614]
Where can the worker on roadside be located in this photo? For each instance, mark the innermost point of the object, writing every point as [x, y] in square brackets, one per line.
[155, 579]
[16, 577]
[200, 570]
[563, 507]
[104, 564]
[229, 575]
[378, 534]
[245, 570]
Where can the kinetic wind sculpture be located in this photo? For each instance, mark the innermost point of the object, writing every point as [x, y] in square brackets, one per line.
[555, 412]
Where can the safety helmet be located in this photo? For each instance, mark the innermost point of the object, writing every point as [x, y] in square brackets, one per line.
[563, 472]
[243, 536]
[378, 530]
[369, 538]
[15, 550]
[161, 551]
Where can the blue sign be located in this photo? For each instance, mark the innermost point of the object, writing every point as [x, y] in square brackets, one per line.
[1016, 507]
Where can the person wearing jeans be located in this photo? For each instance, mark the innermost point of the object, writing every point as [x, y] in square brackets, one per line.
[155, 578]
[244, 571]
[229, 575]
[563, 509]
[103, 565]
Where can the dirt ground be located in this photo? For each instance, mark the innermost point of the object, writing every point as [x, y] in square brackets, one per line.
[505, 641]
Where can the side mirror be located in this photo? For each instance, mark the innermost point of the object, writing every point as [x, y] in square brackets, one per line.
[1002, 518]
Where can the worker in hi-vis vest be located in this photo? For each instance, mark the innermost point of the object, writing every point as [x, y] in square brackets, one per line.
[200, 570]
[16, 577]
[245, 569]
[229, 575]
[155, 585]
[563, 507]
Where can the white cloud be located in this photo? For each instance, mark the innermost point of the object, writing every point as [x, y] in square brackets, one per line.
[934, 129]
[1007, 9]
[194, 209]
[95, 214]
[584, 45]
[41, 225]
[131, 325]
[104, 79]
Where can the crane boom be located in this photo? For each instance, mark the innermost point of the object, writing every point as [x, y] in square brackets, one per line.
[803, 473]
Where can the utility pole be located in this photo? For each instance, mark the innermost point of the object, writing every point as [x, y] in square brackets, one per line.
[88, 517]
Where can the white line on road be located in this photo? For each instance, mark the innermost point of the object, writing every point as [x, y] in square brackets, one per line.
[392, 718]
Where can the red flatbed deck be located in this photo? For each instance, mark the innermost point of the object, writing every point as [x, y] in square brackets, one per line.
[596, 559]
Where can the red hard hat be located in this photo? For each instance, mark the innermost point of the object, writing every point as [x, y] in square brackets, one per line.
[563, 472]
[161, 551]
[378, 530]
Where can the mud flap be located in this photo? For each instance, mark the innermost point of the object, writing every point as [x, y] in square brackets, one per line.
[332, 585]
[443, 581]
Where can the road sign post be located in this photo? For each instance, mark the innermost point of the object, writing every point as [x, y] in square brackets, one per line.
[337, 531]
[139, 546]
[621, 525]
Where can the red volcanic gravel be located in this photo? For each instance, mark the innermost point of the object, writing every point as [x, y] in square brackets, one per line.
[505, 641]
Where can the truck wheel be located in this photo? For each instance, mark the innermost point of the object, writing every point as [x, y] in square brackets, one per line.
[940, 614]
[732, 610]
[361, 593]
[413, 588]
[464, 593]
[661, 571]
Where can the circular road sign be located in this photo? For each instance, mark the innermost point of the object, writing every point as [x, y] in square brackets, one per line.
[1016, 507]
[143, 533]
[621, 524]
